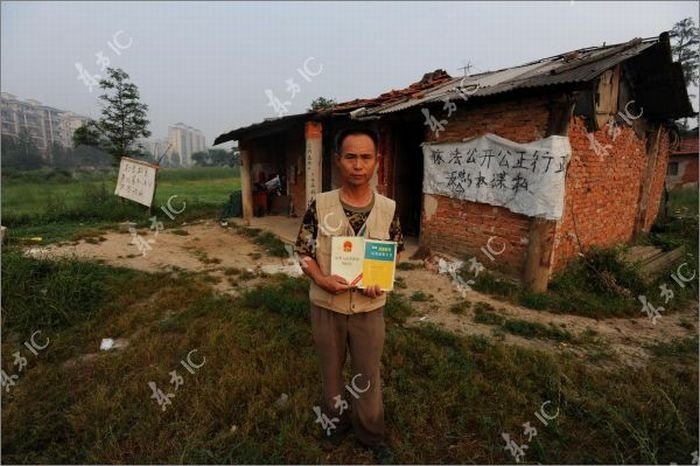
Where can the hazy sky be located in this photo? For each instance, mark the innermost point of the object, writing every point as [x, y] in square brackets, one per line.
[209, 64]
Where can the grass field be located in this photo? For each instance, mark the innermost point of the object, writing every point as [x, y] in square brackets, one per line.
[33, 194]
[683, 202]
[55, 205]
[448, 399]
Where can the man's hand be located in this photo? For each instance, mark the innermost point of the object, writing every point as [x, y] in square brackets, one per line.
[373, 291]
[333, 284]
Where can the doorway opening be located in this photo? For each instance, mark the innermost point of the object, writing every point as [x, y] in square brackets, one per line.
[408, 175]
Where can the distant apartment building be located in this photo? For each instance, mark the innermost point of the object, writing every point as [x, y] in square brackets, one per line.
[47, 125]
[159, 148]
[184, 141]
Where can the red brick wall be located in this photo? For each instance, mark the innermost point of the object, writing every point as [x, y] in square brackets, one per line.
[602, 193]
[462, 228]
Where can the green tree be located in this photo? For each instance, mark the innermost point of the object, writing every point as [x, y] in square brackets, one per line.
[321, 103]
[220, 157]
[201, 159]
[123, 118]
[214, 158]
[685, 48]
[685, 37]
[88, 135]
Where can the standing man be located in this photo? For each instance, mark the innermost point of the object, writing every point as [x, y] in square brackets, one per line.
[342, 316]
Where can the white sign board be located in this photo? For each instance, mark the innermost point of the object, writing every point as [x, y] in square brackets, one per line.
[524, 178]
[137, 181]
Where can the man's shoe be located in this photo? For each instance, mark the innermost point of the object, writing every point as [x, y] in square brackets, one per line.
[333, 441]
[382, 453]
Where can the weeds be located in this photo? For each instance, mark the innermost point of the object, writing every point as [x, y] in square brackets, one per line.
[52, 294]
[600, 285]
[260, 345]
[421, 297]
[397, 310]
[488, 318]
[400, 283]
[484, 313]
[529, 329]
[676, 348]
[271, 243]
[460, 307]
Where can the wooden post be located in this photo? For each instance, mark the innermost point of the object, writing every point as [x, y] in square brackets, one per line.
[314, 157]
[246, 186]
[652, 150]
[151, 210]
[542, 232]
[539, 254]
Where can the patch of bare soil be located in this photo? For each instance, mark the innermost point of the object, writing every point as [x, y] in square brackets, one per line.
[231, 262]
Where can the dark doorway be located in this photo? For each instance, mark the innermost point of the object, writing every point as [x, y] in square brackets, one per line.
[408, 174]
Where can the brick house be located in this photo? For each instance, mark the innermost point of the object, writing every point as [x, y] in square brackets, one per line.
[682, 169]
[613, 108]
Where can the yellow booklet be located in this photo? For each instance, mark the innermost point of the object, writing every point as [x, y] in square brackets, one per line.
[364, 262]
[379, 264]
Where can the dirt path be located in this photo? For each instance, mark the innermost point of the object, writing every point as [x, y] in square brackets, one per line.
[232, 262]
[611, 340]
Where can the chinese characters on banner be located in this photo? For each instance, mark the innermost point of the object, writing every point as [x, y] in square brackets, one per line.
[524, 178]
[137, 181]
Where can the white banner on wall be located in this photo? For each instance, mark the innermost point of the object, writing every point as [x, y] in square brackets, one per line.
[137, 181]
[524, 178]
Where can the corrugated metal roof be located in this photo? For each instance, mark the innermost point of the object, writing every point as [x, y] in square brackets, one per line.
[578, 66]
[268, 123]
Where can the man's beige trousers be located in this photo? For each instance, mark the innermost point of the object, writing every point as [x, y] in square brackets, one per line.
[363, 333]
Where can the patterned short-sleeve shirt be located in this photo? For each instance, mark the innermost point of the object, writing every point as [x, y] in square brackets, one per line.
[306, 239]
